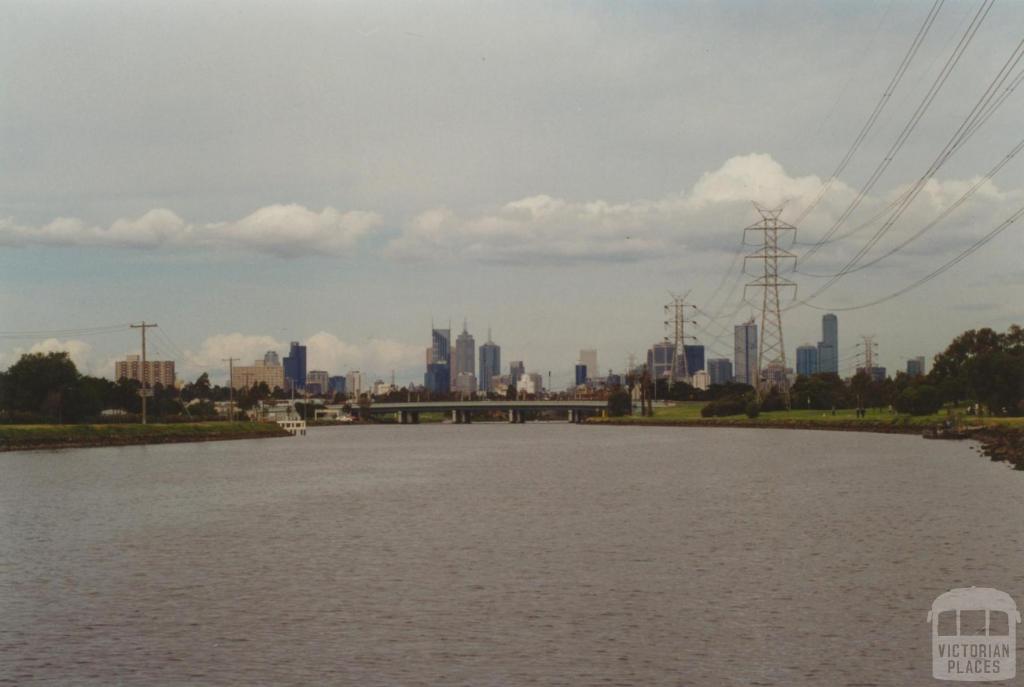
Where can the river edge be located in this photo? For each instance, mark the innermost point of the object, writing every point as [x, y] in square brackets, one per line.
[1000, 444]
[53, 437]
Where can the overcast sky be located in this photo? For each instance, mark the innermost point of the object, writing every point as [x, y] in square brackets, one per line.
[248, 173]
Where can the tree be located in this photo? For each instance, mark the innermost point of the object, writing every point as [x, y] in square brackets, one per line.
[619, 403]
[39, 383]
[920, 399]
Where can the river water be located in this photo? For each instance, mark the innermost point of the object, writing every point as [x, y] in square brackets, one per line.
[545, 554]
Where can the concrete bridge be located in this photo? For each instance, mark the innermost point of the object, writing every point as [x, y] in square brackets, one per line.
[462, 411]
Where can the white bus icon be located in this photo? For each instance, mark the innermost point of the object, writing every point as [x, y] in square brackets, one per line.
[974, 635]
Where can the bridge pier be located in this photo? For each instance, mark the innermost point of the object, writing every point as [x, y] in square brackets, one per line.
[572, 415]
[400, 416]
[415, 417]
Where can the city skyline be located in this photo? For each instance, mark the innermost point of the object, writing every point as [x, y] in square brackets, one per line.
[527, 170]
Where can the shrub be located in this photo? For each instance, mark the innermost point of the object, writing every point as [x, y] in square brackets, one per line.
[753, 410]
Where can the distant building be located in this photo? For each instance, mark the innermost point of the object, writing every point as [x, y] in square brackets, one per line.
[441, 354]
[437, 378]
[588, 356]
[701, 380]
[807, 360]
[465, 383]
[354, 383]
[775, 375]
[336, 385]
[271, 358]
[316, 382]
[694, 358]
[915, 367]
[465, 354]
[531, 383]
[381, 388]
[157, 371]
[659, 359]
[720, 370]
[613, 380]
[828, 347]
[248, 376]
[878, 374]
[295, 366]
[516, 369]
[581, 374]
[745, 352]
[490, 363]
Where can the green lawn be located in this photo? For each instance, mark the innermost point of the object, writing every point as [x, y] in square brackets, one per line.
[57, 435]
[690, 412]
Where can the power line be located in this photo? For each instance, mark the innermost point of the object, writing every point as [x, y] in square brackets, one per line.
[911, 124]
[960, 257]
[981, 111]
[890, 88]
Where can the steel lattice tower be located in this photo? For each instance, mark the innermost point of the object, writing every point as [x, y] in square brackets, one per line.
[676, 310]
[771, 355]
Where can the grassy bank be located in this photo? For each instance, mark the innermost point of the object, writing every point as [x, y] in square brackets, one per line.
[23, 437]
[1002, 438]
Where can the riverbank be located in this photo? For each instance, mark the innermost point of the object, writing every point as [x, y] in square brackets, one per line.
[1002, 439]
[34, 437]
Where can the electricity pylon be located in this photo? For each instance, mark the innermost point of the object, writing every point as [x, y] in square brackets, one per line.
[771, 355]
[676, 323]
[870, 348]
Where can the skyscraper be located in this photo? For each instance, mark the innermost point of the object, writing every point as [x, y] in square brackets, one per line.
[915, 366]
[694, 358]
[490, 363]
[828, 347]
[465, 353]
[807, 360]
[295, 366]
[745, 352]
[581, 374]
[588, 356]
[440, 348]
[659, 359]
[270, 358]
[516, 369]
[720, 370]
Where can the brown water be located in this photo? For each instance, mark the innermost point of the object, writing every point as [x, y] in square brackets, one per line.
[498, 555]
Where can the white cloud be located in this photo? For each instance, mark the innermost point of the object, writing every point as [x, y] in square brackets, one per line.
[545, 228]
[709, 217]
[283, 230]
[324, 351]
[80, 352]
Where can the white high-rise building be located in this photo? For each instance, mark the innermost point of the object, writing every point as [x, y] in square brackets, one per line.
[354, 383]
[588, 356]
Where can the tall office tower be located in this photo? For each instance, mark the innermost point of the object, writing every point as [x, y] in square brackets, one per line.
[807, 360]
[295, 366]
[720, 370]
[465, 353]
[745, 352]
[440, 349]
[354, 383]
[828, 347]
[490, 363]
[437, 378]
[659, 359]
[316, 381]
[271, 358]
[516, 369]
[915, 366]
[588, 356]
[694, 357]
[581, 374]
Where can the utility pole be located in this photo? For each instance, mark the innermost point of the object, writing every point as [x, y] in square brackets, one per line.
[676, 310]
[772, 351]
[231, 387]
[145, 386]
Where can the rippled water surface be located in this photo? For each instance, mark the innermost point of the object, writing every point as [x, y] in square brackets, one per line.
[498, 555]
